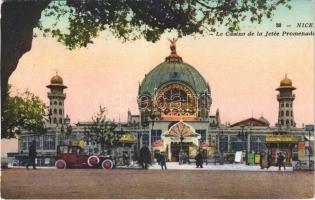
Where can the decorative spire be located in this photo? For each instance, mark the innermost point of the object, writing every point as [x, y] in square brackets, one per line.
[173, 57]
[173, 45]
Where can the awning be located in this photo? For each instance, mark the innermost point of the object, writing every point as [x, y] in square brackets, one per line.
[311, 138]
[127, 138]
[281, 138]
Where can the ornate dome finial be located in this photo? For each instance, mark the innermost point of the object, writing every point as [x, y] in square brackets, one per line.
[173, 44]
[173, 57]
[286, 81]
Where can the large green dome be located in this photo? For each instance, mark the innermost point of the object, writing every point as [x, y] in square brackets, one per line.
[173, 71]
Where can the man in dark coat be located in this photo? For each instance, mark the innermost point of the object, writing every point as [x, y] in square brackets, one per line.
[32, 155]
[145, 157]
[125, 159]
[157, 157]
[280, 160]
[199, 160]
[162, 161]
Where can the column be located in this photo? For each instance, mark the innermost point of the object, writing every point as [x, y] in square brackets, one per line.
[229, 143]
[248, 142]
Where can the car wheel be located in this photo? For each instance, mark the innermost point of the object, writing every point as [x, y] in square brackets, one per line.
[60, 164]
[107, 164]
[93, 161]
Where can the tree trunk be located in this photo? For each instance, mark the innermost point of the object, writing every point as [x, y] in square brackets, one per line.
[18, 20]
[102, 148]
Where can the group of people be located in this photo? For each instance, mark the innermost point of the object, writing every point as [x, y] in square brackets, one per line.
[145, 158]
[281, 160]
[183, 158]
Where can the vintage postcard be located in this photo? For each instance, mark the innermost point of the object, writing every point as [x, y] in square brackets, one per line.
[157, 99]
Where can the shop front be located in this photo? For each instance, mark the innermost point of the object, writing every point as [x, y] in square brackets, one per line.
[280, 143]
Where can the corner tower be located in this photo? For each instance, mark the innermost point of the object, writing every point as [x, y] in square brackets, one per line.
[285, 99]
[56, 100]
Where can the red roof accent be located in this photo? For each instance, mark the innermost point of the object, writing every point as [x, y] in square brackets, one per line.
[157, 143]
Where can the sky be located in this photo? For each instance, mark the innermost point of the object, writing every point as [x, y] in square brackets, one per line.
[243, 72]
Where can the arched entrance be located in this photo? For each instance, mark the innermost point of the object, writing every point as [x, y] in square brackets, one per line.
[180, 137]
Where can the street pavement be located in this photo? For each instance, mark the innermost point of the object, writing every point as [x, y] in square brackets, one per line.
[212, 166]
[192, 166]
[154, 184]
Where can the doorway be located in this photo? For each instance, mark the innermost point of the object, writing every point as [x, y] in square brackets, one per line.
[175, 149]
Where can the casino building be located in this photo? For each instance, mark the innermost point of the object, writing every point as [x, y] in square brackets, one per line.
[174, 103]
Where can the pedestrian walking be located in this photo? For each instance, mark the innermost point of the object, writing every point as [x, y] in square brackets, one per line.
[145, 157]
[199, 160]
[32, 155]
[157, 157]
[125, 159]
[280, 161]
[162, 161]
[205, 156]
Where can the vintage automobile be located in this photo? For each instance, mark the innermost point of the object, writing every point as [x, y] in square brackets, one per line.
[74, 157]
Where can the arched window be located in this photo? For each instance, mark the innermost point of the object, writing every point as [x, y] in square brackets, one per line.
[60, 103]
[55, 102]
[282, 105]
[287, 113]
[291, 113]
[60, 120]
[55, 111]
[60, 111]
[282, 113]
[286, 105]
[281, 121]
[55, 120]
[287, 122]
[292, 122]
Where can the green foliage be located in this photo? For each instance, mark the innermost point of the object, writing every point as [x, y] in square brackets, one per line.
[24, 111]
[102, 130]
[149, 19]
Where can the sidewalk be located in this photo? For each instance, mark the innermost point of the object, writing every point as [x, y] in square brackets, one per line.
[230, 167]
[175, 165]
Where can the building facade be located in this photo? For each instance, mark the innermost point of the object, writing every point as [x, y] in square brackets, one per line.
[174, 103]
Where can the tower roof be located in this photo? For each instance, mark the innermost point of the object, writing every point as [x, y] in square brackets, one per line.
[56, 81]
[286, 81]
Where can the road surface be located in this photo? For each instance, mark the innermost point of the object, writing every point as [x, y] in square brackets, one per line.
[128, 183]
